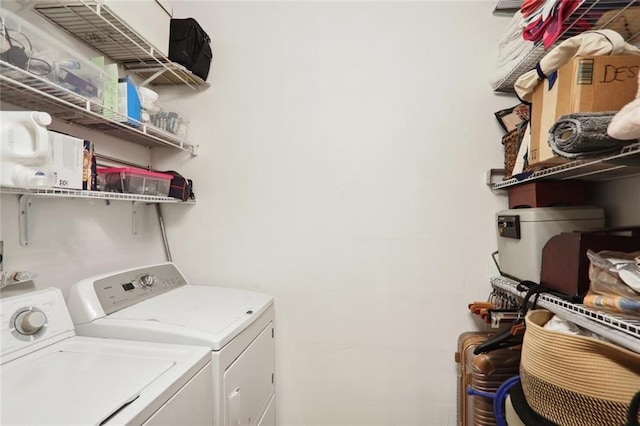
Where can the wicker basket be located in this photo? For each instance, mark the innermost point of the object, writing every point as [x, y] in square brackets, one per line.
[511, 142]
[576, 380]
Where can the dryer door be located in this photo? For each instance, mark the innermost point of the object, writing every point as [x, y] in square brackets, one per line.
[248, 382]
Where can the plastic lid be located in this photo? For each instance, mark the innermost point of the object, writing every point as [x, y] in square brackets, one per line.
[133, 170]
[540, 214]
[148, 93]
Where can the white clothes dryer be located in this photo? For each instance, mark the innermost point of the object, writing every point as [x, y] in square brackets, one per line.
[49, 376]
[156, 303]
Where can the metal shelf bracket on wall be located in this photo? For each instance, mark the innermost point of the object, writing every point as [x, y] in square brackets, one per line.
[153, 76]
[23, 219]
[134, 213]
[27, 195]
[491, 174]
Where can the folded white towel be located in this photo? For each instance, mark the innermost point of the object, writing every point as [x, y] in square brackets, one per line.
[514, 50]
[513, 30]
[625, 125]
[504, 67]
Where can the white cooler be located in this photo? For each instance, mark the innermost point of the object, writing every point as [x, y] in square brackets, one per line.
[522, 233]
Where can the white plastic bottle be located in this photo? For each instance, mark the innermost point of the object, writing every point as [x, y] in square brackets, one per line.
[25, 158]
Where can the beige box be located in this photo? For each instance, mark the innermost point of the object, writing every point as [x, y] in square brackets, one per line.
[66, 160]
[586, 84]
[522, 233]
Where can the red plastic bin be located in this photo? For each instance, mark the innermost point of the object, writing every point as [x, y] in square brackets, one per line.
[130, 180]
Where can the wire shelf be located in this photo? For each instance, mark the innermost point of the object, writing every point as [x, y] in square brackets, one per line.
[620, 330]
[507, 6]
[96, 25]
[32, 92]
[590, 15]
[626, 163]
[72, 193]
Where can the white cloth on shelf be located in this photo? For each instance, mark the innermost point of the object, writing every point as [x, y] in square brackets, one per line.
[625, 125]
[561, 325]
[513, 30]
[506, 65]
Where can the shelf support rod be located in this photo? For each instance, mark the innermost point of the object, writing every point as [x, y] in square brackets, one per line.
[163, 231]
[23, 219]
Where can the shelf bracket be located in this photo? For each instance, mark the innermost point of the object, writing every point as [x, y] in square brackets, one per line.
[25, 7]
[23, 219]
[134, 213]
[491, 174]
[153, 77]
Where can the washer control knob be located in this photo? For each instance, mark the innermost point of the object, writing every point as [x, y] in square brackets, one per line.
[147, 280]
[30, 321]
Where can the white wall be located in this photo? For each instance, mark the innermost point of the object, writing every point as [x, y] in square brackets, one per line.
[620, 199]
[343, 152]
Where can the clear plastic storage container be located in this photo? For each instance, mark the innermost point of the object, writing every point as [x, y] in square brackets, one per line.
[130, 180]
[29, 48]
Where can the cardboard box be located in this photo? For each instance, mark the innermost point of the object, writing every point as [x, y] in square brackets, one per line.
[89, 173]
[586, 84]
[67, 160]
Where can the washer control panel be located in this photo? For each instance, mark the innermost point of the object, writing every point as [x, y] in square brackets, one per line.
[124, 289]
[33, 319]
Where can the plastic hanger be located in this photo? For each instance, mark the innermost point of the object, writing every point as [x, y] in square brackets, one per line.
[513, 336]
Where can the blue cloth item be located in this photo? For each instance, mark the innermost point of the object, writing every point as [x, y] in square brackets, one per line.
[498, 397]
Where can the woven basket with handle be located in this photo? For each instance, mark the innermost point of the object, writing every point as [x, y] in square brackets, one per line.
[576, 380]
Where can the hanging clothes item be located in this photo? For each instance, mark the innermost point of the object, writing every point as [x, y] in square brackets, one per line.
[558, 22]
[549, 21]
[529, 7]
[542, 12]
[537, 22]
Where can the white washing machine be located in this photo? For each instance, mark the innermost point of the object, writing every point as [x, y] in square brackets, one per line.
[49, 376]
[156, 303]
